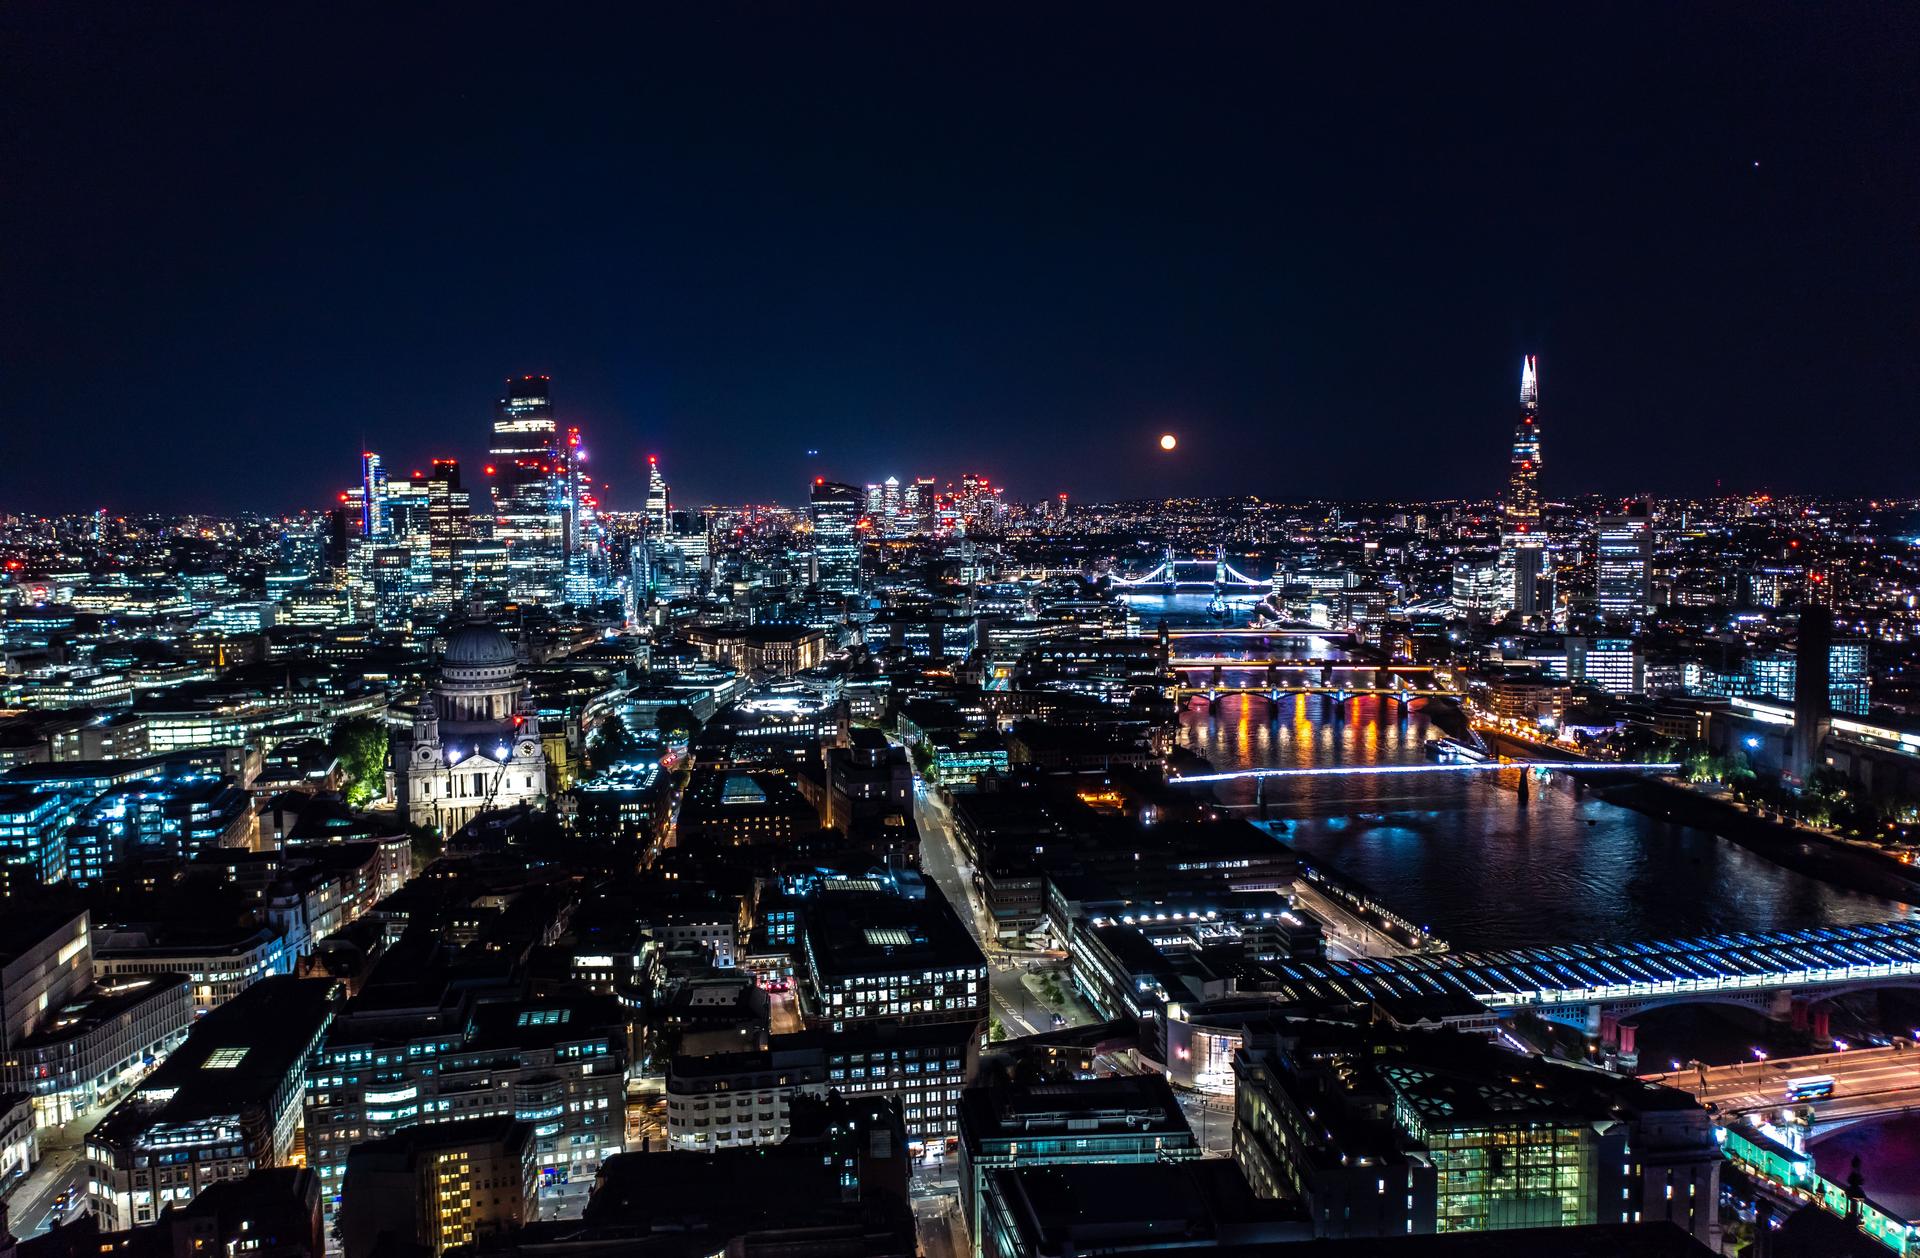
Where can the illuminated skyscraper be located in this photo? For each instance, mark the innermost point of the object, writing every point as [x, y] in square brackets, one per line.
[659, 500]
[589, 562]
[447, 534]
[373, 496]
[835, 512]
[531, 489]
[1523, 482]
[1522, 540]
[1622, 559]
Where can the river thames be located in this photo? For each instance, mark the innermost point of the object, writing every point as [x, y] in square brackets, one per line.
[1460, 854]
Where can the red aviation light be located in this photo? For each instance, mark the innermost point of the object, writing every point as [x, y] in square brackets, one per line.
[490, 469]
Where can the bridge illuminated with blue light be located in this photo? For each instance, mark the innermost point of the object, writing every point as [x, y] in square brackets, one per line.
[1818, 961]
[1220, 574]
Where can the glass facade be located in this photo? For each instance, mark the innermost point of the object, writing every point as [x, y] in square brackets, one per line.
[1525, 1175]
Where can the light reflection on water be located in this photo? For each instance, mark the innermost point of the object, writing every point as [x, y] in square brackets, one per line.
[1458, 852]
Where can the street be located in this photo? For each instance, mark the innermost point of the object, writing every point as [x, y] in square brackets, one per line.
[1865, 1081]
[937, 1222]
[1347, 935]
[1211, 1118]
[1018, 1010]
[62, 1166]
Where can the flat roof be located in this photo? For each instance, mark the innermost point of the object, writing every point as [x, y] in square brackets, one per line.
[235, 1057]
[880, 933]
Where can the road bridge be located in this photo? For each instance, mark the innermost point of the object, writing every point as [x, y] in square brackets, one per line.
[1867, 1082]
[1275, 691]
[1457, 766]
[1231, 662]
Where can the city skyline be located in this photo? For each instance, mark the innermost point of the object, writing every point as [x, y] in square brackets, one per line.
[934, 632]
[1315, 270]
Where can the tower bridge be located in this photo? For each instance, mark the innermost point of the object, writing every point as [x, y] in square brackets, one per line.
[1176, 572]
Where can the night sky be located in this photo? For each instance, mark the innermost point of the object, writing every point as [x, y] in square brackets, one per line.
[238, 241]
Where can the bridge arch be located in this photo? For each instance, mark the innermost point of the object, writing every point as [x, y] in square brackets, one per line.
[1853, 987]
[1765, 1002]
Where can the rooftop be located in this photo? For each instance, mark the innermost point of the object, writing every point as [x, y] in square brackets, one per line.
[880, 933]
[236, 1057]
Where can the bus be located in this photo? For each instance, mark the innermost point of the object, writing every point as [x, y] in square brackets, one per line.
[1810, 1088]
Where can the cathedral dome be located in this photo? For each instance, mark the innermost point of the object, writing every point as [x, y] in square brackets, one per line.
[479, 646]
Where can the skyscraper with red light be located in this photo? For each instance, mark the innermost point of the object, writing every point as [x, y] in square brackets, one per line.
[531, 486]
[1523, 480]
[1523, 544]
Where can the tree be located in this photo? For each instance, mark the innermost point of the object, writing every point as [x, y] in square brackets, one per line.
[613, 741]
[675, 720]
[426, 844]
[360, 743]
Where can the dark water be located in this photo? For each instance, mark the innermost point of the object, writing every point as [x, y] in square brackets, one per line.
[1458, 853]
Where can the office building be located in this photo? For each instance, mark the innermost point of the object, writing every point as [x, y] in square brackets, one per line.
[738, 808]
[98, 1044]
[529, 483]
[33, 839]
[889, 973]
[872, 954]
[180, 818]
[1615, 665]
[19, 1138]
[869, 778]
[731, 1100]
[225, 1103]
[46, 962]
[1127, 1118]
[836, 1186]
[1126, 1208]
[1622, 564]
[273, 1213]
[438, 1185]
[760, 650]
[373, 497]
[1383, 1133]
[220, 962]
[448, 533]
[1481, 586]
[834, 513]
[415, 1047]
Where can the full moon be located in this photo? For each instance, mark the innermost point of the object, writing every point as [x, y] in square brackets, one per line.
[1168, 442]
